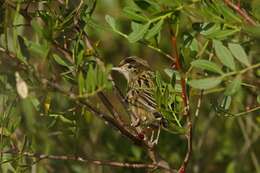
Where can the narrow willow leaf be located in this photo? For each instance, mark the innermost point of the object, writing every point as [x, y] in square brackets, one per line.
[60, 61]
[111, 21]
[231, 167]
[139, 34]
[40, 49]
[226, 102]
[224, 54]
[256, 9]
[134, 14]
[207, 65]
[216, 32]
[37, 28]
[155, 30]
[81, 83]
[258, 99]
[221, 34]
[205, 83]
[90, 82]
[228, 13]
[239, 53]
[170, 72]
[233, 87]
[253, 30]
[135, 26]
[99, 79]
[209, 29]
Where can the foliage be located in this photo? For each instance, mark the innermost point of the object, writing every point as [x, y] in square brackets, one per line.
[58, 99]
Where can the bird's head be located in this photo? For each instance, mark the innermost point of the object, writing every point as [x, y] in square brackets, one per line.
[132, 67]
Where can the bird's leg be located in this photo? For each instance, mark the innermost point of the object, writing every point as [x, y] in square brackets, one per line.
[156, 140]
[152, 136]
[135, 121]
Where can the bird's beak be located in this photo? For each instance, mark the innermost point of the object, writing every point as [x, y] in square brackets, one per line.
[117, 69]
[121, 71]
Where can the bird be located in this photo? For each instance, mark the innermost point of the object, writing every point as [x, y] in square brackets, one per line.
[139, 96]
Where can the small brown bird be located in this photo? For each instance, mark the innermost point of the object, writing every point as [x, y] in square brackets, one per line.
[146, 119]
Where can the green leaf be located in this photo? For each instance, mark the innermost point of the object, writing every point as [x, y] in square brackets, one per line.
[60, 61]
[223, 33]
[111, 21]
[36, 26]
[226, 102]
[155, 30]
[81, 83]
[231, 167]
[224, 54]
[253, 30]
[170, 72]
[148, 5]
[216, 32]
[256, 8]
[233, 87]
[239, 53]
[207, 65]
[139, 34]
[40, 49]
[205, 83]
[90, 80]
[134, 14]
[135, 26]
[258, 99]
[229, 14]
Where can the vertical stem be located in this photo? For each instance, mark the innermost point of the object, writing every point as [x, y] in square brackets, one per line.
[178, 67]
[186, 103]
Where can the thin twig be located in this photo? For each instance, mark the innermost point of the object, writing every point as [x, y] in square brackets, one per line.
[248, 111]
[199, 104]
[109, 106]
[106, 117]
[86, 160]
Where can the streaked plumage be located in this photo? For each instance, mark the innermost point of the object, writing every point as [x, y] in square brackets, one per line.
[140, 94]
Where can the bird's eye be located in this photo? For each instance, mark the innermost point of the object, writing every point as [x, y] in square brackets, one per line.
[130, 66]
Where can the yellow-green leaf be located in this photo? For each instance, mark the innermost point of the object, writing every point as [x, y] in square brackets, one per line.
[138, 34]
[207, 65]
[205, 83]
[239, 53]
[224, 54]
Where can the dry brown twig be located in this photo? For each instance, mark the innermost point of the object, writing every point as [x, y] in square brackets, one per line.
[85, 160]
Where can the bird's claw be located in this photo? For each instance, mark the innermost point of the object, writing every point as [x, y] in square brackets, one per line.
[135, 122]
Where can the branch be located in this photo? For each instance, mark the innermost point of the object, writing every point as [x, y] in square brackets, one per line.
[106, 117]
[241, 12]
[86, 160]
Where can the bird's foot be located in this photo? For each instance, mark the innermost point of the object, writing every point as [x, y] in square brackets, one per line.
[135, 122]
[156, 140]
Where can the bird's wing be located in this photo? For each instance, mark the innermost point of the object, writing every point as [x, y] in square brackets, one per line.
[147, 101]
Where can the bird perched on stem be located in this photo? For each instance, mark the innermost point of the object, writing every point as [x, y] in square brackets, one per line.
[145, 118]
